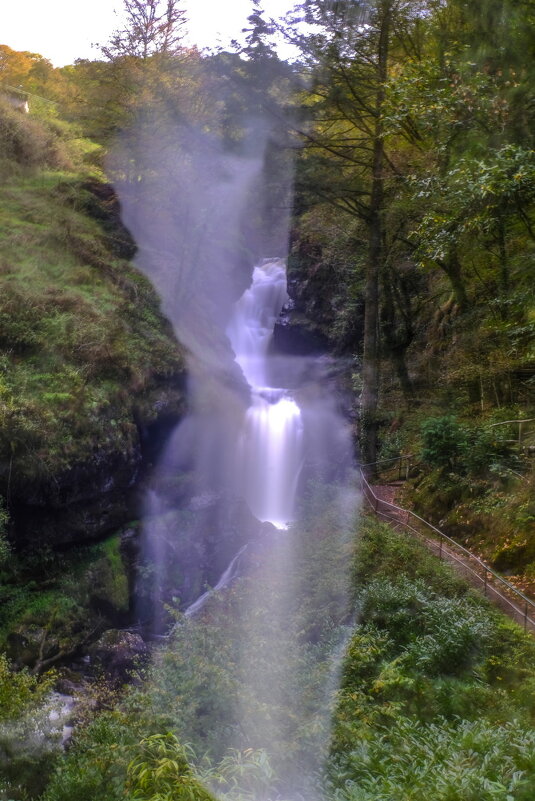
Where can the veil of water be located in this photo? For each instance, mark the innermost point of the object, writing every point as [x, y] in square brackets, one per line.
[270, 448]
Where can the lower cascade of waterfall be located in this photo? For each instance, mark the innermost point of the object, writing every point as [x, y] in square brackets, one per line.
[226, 578]
[229, 468]
[270, 447]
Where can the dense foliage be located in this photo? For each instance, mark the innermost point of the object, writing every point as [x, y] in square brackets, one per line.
[437, 694]
[430, 672]
[414, 207]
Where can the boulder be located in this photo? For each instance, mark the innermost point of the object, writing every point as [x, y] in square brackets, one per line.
[119, 653]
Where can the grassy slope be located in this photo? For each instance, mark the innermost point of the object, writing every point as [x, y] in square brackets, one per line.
[82, 342]
[85, 358]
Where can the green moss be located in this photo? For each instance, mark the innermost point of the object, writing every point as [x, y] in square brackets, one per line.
[107, 578]
[51, 604]
[82, 338]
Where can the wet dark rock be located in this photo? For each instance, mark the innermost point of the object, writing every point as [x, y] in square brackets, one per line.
[69, 686]
[76, 522]
[102, 203]
[190, 548]
[295, 334]
[311, 320]
[119, 653]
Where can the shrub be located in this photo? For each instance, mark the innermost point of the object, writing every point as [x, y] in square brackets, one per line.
[381, 551]
[450, 445]
[19, 691]
[443, 761]
[95, 767]
[444, 441]
[438, 635]
[161, 772]
[29, 142]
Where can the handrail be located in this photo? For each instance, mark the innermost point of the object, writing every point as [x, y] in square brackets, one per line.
[27, 94]
[520, 424]
[399, 459]
[488, 571]
[392, 459]
[507, 422]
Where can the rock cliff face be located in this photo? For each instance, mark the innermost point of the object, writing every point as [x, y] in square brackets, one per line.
[325, 310]
[92, 378]
[295, 334]
[101, 492]
[188, 549]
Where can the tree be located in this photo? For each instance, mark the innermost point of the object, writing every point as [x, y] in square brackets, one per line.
[153, 27]
[25, 70]
[146, 65]
[351, 57]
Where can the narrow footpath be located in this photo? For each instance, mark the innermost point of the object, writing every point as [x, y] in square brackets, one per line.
[499, 591]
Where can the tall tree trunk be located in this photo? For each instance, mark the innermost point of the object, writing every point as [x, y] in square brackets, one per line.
[397, 336]
[370, 362]
[400, 366]
[452, 268]
[504, 261]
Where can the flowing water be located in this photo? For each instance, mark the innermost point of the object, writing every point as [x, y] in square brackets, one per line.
[293, 446]
[270, 447]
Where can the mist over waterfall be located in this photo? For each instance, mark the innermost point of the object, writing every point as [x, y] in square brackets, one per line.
[231, 537]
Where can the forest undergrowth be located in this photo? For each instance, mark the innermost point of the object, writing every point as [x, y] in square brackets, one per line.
[436, 688]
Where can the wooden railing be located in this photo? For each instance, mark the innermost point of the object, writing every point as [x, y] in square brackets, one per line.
[402, 463]
[521, 428]
[495, 587]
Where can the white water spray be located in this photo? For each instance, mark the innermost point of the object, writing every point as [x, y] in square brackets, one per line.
[270, 450]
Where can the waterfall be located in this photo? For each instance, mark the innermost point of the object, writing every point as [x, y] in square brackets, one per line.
[270, 447]
[263, 444]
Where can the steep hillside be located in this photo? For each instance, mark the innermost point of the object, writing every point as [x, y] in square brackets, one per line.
[87, 362]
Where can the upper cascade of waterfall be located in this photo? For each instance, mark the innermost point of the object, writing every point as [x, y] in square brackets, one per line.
[270, 450]
[255, 314]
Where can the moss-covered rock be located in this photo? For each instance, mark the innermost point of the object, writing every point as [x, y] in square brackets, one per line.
[89, 367]
[119, 652]
[54, 605]
[107, 579]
